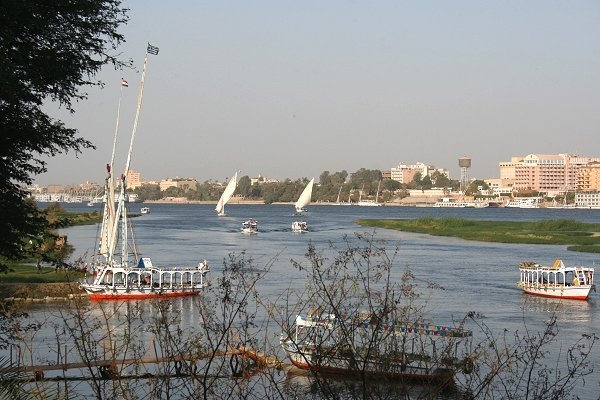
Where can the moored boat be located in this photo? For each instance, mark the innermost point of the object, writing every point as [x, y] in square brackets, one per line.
[118, 271]
[299, 226]
[145, 210]
[524, 202]
[352, 346]
[369, 202]
[145, 281]
[559, 280]
[450, 202]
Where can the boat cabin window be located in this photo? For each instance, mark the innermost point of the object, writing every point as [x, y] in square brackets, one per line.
[119, 278]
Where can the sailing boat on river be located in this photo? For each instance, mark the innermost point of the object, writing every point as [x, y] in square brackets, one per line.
[227, 193]
[119, 272]
[305, 197]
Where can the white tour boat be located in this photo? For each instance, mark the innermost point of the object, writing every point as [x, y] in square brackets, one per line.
[557, 281]
[250, 226]
[118, 270]
[352, 346]
[299, 226]
[524, 202]
[451, 202]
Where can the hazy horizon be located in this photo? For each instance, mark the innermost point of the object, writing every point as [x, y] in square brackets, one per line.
[289, 90]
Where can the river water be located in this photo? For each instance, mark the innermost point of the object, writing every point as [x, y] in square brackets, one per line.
[476, 276]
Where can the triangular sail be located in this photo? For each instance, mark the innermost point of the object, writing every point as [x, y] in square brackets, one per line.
[305, 197]
[338, 198]
[107, 242]
[229, 190]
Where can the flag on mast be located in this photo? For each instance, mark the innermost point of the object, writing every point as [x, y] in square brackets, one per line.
[124, 82]
[152, 49]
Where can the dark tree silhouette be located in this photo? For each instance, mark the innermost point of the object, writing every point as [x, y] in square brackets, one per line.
[49, 51]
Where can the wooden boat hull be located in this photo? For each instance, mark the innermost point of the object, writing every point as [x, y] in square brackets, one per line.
[401, 352]
[561, 292]
[339, 366]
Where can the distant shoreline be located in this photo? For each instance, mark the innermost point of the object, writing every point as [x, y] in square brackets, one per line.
[180, 200]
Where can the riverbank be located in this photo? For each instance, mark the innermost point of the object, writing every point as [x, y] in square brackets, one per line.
[37, 292]
[182, 200]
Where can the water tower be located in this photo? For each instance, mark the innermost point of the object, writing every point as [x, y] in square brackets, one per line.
[464, 163]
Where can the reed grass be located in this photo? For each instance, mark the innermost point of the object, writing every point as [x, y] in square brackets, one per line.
[579, 236]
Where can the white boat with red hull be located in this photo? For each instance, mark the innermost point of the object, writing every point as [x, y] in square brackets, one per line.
[557, 281]
[118, 270]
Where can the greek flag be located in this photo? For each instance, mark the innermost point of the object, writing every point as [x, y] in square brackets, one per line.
[152, 49]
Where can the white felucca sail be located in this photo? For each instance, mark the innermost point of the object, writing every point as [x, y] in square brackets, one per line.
[305, 197]
[107, 241]
[229, 190]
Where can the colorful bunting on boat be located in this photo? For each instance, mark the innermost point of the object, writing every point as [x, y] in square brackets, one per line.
[403, 327]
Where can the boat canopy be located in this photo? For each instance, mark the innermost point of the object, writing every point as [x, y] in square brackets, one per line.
[145, 262]
[329, 320]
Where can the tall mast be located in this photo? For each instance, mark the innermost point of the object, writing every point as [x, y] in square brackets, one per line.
[121, 208]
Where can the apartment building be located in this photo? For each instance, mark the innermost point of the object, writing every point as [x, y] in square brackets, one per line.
[551, 173]
[134, 179]
[588, 177]
[406, 173]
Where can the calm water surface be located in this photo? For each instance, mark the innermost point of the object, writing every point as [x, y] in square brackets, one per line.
[476, 276]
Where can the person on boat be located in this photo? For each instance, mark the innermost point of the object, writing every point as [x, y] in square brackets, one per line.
[202, 266]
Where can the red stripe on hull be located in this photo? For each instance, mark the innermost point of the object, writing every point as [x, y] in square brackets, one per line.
[139, 296]
[557, 297]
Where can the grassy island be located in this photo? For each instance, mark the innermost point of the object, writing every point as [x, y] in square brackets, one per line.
[577, 236]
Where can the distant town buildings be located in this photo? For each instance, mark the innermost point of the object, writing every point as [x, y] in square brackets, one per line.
[180, 183]
[404, 173]
[548, 173]
[261, 179]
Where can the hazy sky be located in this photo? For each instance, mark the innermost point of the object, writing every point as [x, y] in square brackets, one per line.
[289, 89]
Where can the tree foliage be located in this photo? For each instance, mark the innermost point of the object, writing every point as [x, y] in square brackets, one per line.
[49, 51]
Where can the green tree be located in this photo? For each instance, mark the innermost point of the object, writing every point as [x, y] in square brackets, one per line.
[244, 184]
[148, 192]
[440, 180]
[49, 51]
[426, 182]
[417, 181]
[390, 185]
[475, 185]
